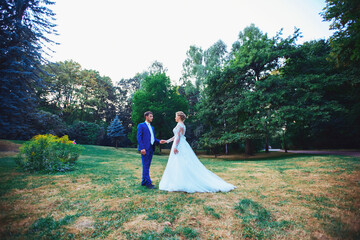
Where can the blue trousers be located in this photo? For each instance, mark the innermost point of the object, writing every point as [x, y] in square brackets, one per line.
[146, 161]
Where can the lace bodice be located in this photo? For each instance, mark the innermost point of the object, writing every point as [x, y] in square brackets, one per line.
[179, 133]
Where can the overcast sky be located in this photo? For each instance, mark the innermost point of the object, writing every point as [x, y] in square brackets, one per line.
[121, 38]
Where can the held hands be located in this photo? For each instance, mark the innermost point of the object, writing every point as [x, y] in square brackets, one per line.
[143, 151]
[175, 151]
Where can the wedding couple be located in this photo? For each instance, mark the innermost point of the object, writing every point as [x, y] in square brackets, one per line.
[184, 172]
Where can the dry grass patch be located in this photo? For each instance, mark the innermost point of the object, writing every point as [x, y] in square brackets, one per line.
[8, 149]
[82, 224]
[7, 154]
[7, 146]
[140, 223]
[114, 204]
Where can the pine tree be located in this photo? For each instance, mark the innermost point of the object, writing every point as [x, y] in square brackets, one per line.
[116, 130]
[24, 27]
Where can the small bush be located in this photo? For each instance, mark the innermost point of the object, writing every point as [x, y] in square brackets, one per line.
[86, 132]
[48, 153]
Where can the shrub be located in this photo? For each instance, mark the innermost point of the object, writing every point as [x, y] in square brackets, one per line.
[48, 153]
[43, 122]
[86, 132]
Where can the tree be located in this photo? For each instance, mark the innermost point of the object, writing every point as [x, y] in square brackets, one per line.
[196, 67]
[193, 66]
[125, 90]
[321, 101]
[230, 94]
[157, 95]
[116, 130]
[157, 67]
[225, 112]
[194, 125]
[47, 123]
[24, 27]
[78, 94]
[345, 48]
[345, 17]
[62, 94]
[199, 64]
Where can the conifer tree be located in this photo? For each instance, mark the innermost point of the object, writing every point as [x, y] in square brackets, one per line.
[24, 27]
[116, 130]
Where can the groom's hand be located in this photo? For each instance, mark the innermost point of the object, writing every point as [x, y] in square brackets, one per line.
[143, 151]
[162, 141]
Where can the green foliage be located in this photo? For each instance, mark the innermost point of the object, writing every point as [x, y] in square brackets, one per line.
[158, 96]
[273, 87]
[345, 17]
[45, 122]
[231, 92]
[48, 153]
[258, 53]
[309, 94]
[125, 90]
[77, 94]
[199, 63]
[86, 132]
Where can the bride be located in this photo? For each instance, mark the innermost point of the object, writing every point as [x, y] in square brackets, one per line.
[184, 172]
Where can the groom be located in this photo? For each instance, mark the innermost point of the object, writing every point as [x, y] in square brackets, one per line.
[146, 139]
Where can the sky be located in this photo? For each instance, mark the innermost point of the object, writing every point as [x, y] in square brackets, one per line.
[121, 38]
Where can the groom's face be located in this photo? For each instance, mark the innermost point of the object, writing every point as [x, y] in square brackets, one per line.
[149, 118]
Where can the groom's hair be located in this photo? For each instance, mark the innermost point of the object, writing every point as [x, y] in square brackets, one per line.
[147, 113]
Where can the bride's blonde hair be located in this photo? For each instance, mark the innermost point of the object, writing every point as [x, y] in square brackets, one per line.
[182, 115]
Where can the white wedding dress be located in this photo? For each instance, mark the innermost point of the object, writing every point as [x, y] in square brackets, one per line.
[184, 171]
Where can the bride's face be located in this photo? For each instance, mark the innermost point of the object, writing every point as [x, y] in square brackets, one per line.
[177, 118]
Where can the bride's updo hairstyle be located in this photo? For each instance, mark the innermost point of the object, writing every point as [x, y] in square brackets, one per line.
[182, 115]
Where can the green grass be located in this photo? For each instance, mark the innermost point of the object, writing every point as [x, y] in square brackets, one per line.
[293, 197]
[258, 222]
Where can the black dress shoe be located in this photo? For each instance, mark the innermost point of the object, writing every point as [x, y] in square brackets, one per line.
[150, 186]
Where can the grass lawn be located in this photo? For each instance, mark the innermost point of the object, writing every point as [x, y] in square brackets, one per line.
[283, 197]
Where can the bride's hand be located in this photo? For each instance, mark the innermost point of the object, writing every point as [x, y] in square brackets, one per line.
[175, 151]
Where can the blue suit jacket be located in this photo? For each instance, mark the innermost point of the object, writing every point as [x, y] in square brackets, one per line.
[144, 137]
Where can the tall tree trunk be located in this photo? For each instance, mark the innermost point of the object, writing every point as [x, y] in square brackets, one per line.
[267, 143]
[266, 139]
[226, 146]
[284, 140]
[248, 147]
